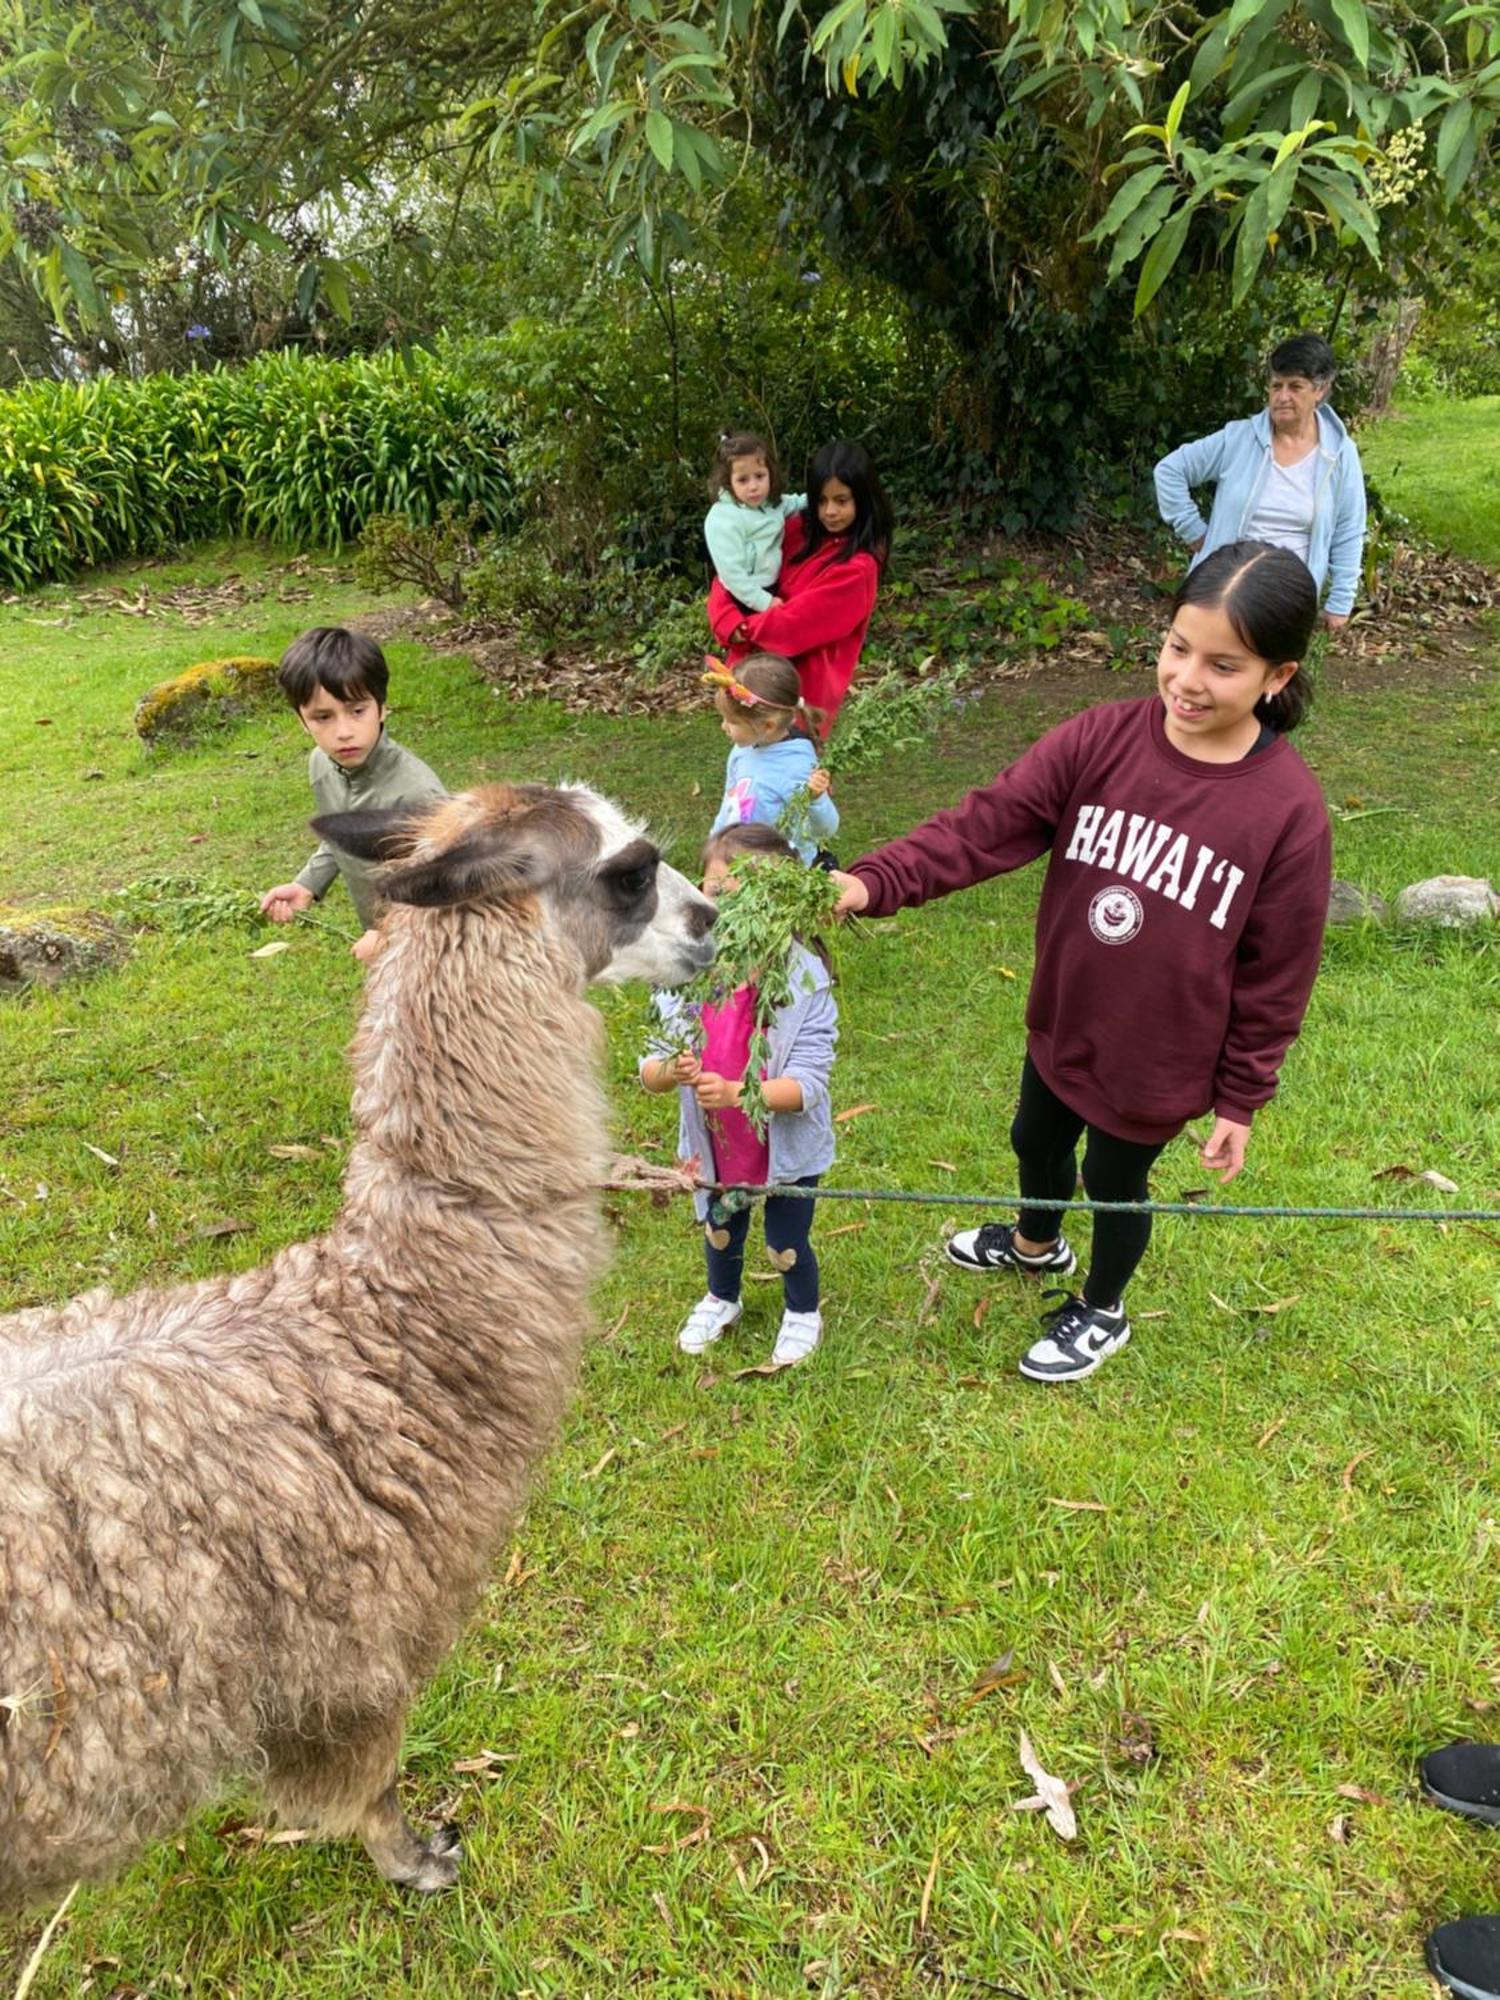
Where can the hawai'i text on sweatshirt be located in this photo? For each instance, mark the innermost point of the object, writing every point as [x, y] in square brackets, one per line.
[1180, 923]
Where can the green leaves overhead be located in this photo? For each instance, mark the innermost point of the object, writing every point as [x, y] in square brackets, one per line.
[135, 137]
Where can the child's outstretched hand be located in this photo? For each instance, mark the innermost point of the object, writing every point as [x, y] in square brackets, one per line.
[717, 1093]
[365, 946]
[853, 895]
[685, 1067]
[819, 782]
[1223, 1153]
[285, 901]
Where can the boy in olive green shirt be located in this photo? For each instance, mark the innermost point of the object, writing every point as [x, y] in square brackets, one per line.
[337, 680]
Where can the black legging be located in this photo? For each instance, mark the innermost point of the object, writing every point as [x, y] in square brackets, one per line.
[789, 1221]
[1044, 1134]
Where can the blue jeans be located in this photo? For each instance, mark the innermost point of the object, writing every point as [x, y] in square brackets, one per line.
[789, 1222]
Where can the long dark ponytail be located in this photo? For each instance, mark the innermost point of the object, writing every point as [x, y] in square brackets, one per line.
[1270, 599]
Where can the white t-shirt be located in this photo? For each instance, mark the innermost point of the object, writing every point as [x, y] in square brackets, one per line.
[1284, 508]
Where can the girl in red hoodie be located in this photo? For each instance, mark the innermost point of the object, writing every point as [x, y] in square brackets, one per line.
[1178, 933]
[832, 557]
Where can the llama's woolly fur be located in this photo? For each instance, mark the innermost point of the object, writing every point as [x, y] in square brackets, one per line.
[244, 1518]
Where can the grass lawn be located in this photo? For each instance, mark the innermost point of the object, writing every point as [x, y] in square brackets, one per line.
[1438, 462]
[1247, 1573]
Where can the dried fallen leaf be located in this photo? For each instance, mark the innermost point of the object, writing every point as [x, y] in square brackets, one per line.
[693, 1838]
[485, 1764]
[99, 1153]
[845, 1229]
[1269, 1432]
[1079, 1506]
[1338, 1829]
[226, 1226]
[594, 1470]
[1399, 1172]
[1362, 1794]
[927, 1889]
[294, 1152]
[947, 1166]
[1440, 1181]
[273, 949]
[757, 1368]
[516, 1572]
[1001, 1673]
[854, 1111]
[980, 1310]
[1347, 1481]
[1052, 1793]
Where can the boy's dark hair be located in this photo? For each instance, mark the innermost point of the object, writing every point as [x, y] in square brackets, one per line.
[1270, 599]
[730, 445]
[874, 524]
[345, 664]
[1304, 354]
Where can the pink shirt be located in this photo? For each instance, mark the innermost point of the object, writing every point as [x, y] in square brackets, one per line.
[739, 1154]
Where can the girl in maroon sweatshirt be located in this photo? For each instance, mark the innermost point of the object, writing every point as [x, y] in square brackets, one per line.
[832, 558]
[1178, 933]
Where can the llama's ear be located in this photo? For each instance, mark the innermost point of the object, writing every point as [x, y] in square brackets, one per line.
[379, 833]
[488, 863]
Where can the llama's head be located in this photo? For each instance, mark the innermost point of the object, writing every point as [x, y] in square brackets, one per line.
[564, 851]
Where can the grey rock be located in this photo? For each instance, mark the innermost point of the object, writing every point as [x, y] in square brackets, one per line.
[1451, 900]
[46, 947]
[1349, 904]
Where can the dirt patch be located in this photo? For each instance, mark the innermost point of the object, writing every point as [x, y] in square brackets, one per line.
[206, 603]
[1429, 625]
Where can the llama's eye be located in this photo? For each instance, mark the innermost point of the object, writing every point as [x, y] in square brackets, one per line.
[632, 883]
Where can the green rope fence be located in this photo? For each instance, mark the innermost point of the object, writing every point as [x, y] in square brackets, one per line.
[729, 1197]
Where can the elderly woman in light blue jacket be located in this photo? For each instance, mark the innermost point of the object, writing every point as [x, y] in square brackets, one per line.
[1289, 475]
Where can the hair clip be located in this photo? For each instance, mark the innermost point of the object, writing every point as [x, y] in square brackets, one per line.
[719, 676]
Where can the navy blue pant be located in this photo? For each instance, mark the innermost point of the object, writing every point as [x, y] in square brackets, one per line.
[788, 1227]
[1045, 1135]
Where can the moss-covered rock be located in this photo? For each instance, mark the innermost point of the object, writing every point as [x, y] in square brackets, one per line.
[45, 947]
[204, 698]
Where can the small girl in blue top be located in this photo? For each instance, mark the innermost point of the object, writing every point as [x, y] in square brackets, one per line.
[748, 517]
[796, 1145]
[773, 776]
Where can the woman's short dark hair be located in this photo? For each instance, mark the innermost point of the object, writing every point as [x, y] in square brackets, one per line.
[730, 445]
[1270, 599]
[874, 524]
[1304, 354]
[345, 664]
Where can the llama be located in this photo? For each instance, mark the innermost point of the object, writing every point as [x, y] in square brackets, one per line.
[244, 1519]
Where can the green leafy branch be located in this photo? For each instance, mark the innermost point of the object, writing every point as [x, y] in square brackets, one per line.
[772, 906]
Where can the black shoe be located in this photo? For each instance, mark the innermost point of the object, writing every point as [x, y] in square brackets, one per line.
[1078, 1337]
[992, 1247]
[1464, 1957]
[1465, 1778]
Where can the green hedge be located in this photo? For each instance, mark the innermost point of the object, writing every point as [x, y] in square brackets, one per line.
[300, 449]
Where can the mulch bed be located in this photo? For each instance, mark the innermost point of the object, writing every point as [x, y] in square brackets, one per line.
[1427, 623]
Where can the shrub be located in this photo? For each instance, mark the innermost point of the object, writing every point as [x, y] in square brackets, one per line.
[304, 450]
[674, 641]
[204, 698]
[438, 556]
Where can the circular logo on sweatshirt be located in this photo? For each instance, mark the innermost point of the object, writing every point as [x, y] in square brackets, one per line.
[1115, 915]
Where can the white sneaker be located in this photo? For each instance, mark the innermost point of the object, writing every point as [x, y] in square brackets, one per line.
[706, 1322]
[799, 1335]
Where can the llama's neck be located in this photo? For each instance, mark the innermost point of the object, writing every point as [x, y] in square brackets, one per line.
[476, 1067]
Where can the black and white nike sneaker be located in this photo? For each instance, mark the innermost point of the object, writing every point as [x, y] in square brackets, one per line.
[992, 1247]
[1078, 1337]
